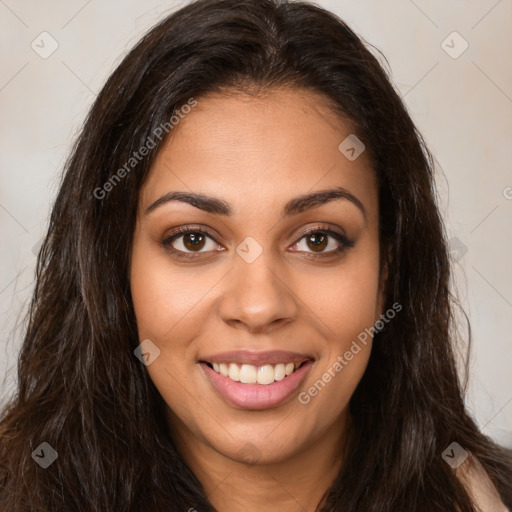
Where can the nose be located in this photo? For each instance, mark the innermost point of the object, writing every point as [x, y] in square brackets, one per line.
[257, 297]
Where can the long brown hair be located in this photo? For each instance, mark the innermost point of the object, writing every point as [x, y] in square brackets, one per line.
[80, 387]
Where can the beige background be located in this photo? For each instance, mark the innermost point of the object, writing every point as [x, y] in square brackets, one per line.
[462, 105]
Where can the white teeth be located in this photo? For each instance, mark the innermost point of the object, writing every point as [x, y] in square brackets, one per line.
[234, 372]
[280, 372]
[250, 374]
[266, 374]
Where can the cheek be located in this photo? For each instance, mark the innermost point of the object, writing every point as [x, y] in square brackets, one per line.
[346, 299]
[347, 305]
[336, 375]
[164, 301]
[170, 309]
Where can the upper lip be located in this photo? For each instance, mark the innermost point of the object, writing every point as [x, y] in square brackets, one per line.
[272, 357]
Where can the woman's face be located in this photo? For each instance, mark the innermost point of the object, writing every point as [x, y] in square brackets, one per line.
[279, 278]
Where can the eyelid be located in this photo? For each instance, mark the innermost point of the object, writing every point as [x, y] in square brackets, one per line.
[325, 228]
[184, 230]
[338, 234]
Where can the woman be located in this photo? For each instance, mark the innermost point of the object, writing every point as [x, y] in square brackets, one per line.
[242, 302]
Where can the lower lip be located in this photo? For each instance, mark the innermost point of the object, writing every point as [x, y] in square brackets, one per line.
[256, 396]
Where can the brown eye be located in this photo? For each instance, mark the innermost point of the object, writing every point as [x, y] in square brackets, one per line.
[322, 242]
[317, 241]
[188, 241]
[194, 241]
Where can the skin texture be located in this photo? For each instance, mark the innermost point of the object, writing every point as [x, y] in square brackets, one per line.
[256, 153]
[477, 481]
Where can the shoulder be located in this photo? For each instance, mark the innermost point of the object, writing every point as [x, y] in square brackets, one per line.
[476, 481]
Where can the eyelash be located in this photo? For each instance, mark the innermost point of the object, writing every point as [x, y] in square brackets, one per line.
[345, 243]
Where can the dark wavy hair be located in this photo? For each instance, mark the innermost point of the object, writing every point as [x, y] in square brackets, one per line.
[80, 387]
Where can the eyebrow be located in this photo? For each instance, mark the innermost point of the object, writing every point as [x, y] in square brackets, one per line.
[292, 207]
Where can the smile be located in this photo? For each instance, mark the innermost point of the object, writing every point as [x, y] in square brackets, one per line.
[251, 380]
[250, 374]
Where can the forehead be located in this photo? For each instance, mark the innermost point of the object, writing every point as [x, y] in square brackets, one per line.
[260, 149]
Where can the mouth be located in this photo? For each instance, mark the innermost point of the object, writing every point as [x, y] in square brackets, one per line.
[250, 374]
[251, 380]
